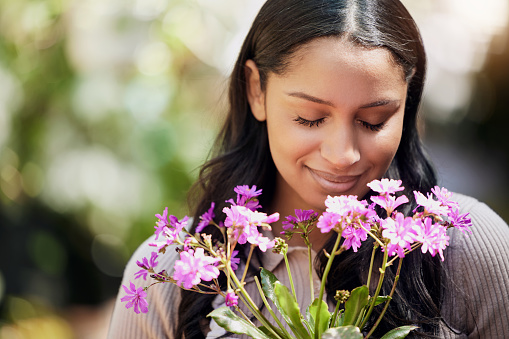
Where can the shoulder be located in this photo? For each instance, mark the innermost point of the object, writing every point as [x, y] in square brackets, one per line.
[477, 268]
[163, 300]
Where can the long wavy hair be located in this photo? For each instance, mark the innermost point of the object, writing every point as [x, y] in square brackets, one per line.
[241, 153]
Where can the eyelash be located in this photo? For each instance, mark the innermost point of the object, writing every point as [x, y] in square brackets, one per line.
[318, 122]
[374, 128]
[309, 123]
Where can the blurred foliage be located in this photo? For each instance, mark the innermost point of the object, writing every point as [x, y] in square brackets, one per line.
[102, 125]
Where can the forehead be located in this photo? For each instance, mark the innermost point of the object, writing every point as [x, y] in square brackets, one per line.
[336, 50]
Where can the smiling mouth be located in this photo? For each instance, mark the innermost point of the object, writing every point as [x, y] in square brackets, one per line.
[334, 184]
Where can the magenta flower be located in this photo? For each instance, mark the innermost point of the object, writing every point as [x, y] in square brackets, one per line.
[400, 232]
[353, 237]
[460, 221]
[163, 222]
[300, 216]
[135, 297]
[245, 197]
[386, 186]
[206, 218]
[193, 267]
[433, 237]
[171, 233]
[231, 298]
[234, 261]
[146, 266]
[247, 192]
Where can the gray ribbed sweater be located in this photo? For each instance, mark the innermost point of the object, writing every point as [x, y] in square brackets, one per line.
[477, 307]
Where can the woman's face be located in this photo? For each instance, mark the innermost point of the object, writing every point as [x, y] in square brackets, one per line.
[334, 119]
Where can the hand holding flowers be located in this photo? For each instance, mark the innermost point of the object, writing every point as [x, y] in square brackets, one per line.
[202, 259]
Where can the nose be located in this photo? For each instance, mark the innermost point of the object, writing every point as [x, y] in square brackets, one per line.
[340, 147]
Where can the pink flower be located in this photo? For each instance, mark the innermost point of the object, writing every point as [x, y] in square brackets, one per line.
[444, 196]
[386, 186]
[245, 222]
[146, 266]
[400, 233]
[135, 297]
[328, 221]
[206, 218]
[389, 202]
[171, 233]
[433, 237]
[231, 298]
[430, 205]
[193, 267]
[353, 237]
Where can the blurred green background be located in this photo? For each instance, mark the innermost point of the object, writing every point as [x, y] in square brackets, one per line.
[108, 107]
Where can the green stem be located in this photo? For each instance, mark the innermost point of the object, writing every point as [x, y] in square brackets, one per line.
[290, 276]
[311, 284]
[335, 315]
[387, 303]
[378, 288]
[247, 263]
[371, 265]
[322, 286]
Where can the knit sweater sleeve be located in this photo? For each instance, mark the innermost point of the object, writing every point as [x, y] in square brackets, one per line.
[163, 300]
[476, 300]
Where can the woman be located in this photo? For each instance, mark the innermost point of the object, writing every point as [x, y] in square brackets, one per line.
[323, 99]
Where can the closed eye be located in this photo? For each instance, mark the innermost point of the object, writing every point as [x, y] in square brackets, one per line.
[309, 123]
[374, 128]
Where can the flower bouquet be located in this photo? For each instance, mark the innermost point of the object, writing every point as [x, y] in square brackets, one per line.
[202, 259]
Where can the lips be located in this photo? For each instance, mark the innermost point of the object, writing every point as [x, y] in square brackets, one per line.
[334, 184]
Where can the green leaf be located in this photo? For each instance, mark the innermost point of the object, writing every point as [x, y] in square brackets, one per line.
[353, 307]
[344, 332]
[290, 310]
[381, 299]
[231, 322]
[268, 281]
[400, 332]
[284, 302]
[325, 315]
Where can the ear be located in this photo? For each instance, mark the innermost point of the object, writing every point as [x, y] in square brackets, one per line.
[255, 95]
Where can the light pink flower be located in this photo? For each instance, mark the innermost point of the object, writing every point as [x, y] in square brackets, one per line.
[389, 202]
[400, 233]
[430, 205]
[433, 237]
[193, 267]
[444, 196]
[386, 186]
[135, 297]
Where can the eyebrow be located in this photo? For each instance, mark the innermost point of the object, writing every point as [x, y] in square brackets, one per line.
[311, 98]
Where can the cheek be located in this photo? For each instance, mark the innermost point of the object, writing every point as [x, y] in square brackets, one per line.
[383, 148]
